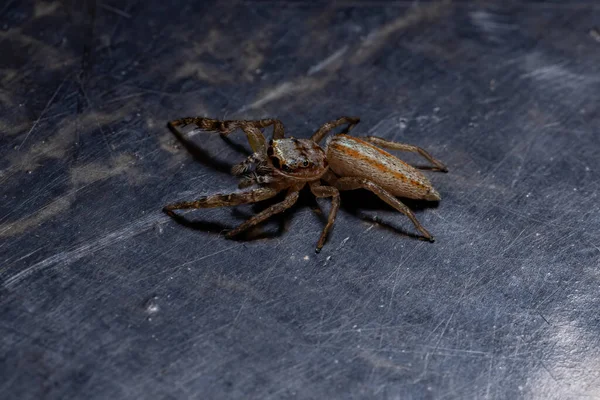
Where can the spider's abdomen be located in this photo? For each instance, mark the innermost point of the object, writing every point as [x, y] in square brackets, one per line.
[351, 157]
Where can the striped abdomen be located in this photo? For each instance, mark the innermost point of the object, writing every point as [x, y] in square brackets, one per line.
[351, 157]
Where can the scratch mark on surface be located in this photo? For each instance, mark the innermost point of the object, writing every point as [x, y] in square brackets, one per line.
[396, 278]
[513, 242]
[202, 71]
[300, 85]
[87, 175]
[528, 144]
[6, 6]
[380, 362]
[371, 226]
[38, 52]
[237, 315]
[492, 24]
[48, 104]
[57, 145]
[548, 371]
[343, 243]
[593, 245]
[327, 61]
[43, 9]
[69, 257]
[93, 172]
[376, 39]
[491, 363]
[557, 74]
[115, 10]
[541, 70]
[195, 260]
[435, 349]
[52, 181]
[364, 50]
[55, 207]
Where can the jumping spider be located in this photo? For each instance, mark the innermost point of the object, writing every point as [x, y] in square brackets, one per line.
[346, 163]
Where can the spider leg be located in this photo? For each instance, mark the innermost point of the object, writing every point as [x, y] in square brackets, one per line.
[439, 166]
[244, 166]
[350, 183]
[328, 126]
[326, 191]
[224, 200]
[290, 199]
[252, 129]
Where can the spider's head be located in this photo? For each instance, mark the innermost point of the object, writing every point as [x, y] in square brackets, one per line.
[297, 158]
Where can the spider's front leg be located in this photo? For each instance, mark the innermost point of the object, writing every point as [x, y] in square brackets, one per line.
[439, 166]
[252, 129]
[328, 126]
[290, 199]
[350, 183]
[326, 191]
[224, 200]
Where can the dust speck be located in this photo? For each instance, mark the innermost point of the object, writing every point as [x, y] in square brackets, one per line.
[595, 34]
[151, 306]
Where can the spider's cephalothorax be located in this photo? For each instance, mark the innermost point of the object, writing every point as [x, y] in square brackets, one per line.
[347, 163]
[287, 160]
[297, 158]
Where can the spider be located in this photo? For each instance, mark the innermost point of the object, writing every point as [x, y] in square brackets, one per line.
[288, 164]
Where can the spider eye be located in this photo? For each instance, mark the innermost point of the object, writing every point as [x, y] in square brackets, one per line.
[286, 168]
[305, 164]
[276, 162]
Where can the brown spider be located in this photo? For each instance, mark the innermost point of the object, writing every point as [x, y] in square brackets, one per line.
[346, 163]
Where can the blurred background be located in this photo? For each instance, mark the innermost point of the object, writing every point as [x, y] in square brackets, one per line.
[104, 296]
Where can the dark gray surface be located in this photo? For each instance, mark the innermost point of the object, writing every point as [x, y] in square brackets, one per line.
[103, 296]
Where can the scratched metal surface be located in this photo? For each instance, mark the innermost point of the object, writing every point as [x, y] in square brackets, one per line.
[103, 296]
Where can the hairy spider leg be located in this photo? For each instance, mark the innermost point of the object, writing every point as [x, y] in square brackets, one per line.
[328, 126]
[290, 199]
[244, 166]
[439, 166]
[351, 183]
[224, 200]
[251, 128]
[326, 191]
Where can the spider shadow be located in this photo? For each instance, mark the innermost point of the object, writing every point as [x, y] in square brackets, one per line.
[357, 202]
[260, 231]
[428, 168]
[203, 156]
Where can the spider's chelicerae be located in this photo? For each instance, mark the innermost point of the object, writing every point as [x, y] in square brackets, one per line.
[346, 163]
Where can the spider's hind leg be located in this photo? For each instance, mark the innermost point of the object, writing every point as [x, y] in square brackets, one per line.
[439, 166]
[329, 126]
[350, 183]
